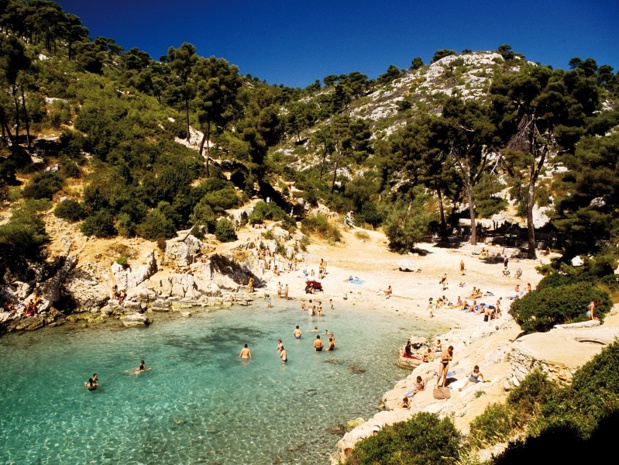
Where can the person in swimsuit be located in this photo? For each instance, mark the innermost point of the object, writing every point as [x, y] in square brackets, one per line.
[420, 385]
[245, 352]
[318, 344]
[280, 345]
[95, 378]
[297, 333]
[474, 377]
[444, 367]
[331, 345]
[283, 355]
[91, 385]
[142, 366]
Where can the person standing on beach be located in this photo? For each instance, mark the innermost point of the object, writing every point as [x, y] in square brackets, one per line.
[268, 299]
[245, 352]
[461, 267]
[286, 292]
[443, 281]
[444, 367]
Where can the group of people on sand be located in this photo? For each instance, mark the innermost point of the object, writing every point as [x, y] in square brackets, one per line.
[93, 383]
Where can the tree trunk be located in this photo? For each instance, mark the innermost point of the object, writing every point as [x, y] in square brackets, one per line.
[322, 165]
[441, 209]
[27, 119]
[530, 224]
[206, 139]
[187, 118]
[469, 194]
[16, 102]
[6, 131]
[337, 165]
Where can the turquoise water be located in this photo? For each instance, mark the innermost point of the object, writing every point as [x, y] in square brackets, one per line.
[199, 403]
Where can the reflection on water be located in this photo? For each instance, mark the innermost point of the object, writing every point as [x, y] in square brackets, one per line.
[199, 403]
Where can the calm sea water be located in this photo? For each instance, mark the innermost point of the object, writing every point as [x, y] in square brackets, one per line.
[199, 403]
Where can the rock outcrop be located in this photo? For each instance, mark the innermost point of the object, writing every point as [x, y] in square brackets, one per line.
[505, 358]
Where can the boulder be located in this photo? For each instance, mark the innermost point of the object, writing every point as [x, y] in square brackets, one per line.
[135, 319]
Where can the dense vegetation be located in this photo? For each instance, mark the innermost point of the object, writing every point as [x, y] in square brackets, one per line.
[112, 121]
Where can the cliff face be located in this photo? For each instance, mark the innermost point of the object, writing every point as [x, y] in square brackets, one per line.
[90, 275]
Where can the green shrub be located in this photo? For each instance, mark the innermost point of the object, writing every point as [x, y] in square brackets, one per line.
[493, 426]
[71, 210]
[422, 440]
[369, 214]
[125, 225]
[267, 211]
[101, 224]
[203, 215]
[224, 231]
[43, 186]
[156, 225]
[528, 397]
[223, 199]
[539, 311]
[320, 225]
[123, 261]
[404, 226]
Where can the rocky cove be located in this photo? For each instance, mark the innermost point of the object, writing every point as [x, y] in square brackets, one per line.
[194, 273]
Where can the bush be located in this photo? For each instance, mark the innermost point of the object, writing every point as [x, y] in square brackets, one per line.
[101, 224]
[320, 225]
[70, 210]
[223, 199]
[224, 231]
[405, 227]
[123, 261]
[43, 186]
[422, 440]
[155, 226]
[267, 211]
[203, 215]
[369, 214]
[491, 427]
[530, 394]
[539, 311]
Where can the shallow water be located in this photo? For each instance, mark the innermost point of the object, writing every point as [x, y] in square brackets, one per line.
[199, 403]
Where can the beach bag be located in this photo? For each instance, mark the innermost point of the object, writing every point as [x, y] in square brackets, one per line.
[442, 393]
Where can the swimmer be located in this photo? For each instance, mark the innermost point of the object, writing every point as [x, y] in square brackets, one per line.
[297, 333]
[95, 378]
[280, 345]
[245, 352]
[91, 385]
[315, 330]
[142, 366]
[318, 344]
[283, 355]
[331, 345]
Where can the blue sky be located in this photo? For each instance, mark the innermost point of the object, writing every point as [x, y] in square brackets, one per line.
[294, 43]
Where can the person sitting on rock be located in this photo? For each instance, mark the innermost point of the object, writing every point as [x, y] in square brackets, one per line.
[475, 377]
